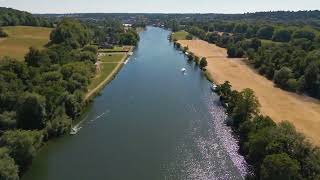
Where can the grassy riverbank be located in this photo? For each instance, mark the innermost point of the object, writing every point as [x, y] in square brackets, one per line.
[111, 63]
[302, 111]
[21, 38]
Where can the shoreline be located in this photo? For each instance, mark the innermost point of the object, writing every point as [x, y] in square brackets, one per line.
[276, 103]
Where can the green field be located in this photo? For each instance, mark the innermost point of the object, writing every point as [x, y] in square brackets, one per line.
[112, 57]
[21, 38]
[106, 69]
[181, 35]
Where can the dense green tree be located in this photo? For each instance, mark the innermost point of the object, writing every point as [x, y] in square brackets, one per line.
[73, 105]
[36, 57]
[8, 169]
[246, 107]
[128, 39]
[282, 76]
[280, 167]
[255, 44]
[265, 32]
[282, 35]
[58, 126]
[240, 28]
[203, 63]
[12, 17]
[312, 78]
[71, 31]
[304, 34]
[8, 120]
[22, 145]
[31, 113]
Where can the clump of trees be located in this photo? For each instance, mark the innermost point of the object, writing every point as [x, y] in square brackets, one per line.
[274, 151]
[112, 32]
[12, 17]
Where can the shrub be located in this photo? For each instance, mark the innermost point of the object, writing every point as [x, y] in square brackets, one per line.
[203, 63]
[280, 166]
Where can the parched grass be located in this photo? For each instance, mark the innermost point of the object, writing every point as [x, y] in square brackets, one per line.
[112, 57]
[21, 38]
[106, 69]
[180, 35]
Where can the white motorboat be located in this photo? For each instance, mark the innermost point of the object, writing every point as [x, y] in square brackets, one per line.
[183, 70]
[74, 130]
[213, 87]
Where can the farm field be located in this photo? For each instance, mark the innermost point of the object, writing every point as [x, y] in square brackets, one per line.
[302, 111]
[21, 38]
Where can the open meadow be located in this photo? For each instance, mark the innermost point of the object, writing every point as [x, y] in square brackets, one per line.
[302, 111]
[21, 38]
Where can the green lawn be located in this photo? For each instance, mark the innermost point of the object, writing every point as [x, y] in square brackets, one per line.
[269, 42]
[112, 57]
[106, 69]
[180, 35]
[116, 49]
[21, 38]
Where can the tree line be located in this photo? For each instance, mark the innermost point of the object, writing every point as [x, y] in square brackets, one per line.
[12, 17]
[274, 151]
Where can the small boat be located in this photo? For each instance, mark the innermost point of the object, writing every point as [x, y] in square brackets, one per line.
[213, 87]
[74, 130]
[183, 70]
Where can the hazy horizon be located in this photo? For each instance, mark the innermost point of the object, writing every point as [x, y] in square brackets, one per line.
[156, 6]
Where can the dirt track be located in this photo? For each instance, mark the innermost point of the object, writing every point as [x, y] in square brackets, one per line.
[302, 111]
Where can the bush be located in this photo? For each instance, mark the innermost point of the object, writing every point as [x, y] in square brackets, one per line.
[22, 145]
[292, 85]
[280, 166]
[282, 36]
[234, 52]
[203, 63]
[8, 120]
[265, 32]
[282, 76]
[8, 168]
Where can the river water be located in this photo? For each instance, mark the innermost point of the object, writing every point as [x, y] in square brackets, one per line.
[151, 122]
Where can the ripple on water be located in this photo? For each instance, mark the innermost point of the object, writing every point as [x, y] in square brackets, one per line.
[224, 134]
[211, 155]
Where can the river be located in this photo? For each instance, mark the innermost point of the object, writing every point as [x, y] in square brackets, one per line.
[151, 122]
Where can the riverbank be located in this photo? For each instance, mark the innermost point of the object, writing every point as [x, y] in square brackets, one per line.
[302, 111]
[103, 79]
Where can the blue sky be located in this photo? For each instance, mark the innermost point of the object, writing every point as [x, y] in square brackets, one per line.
[162, 6]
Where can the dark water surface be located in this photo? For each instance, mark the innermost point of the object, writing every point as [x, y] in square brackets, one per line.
[151, 122]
